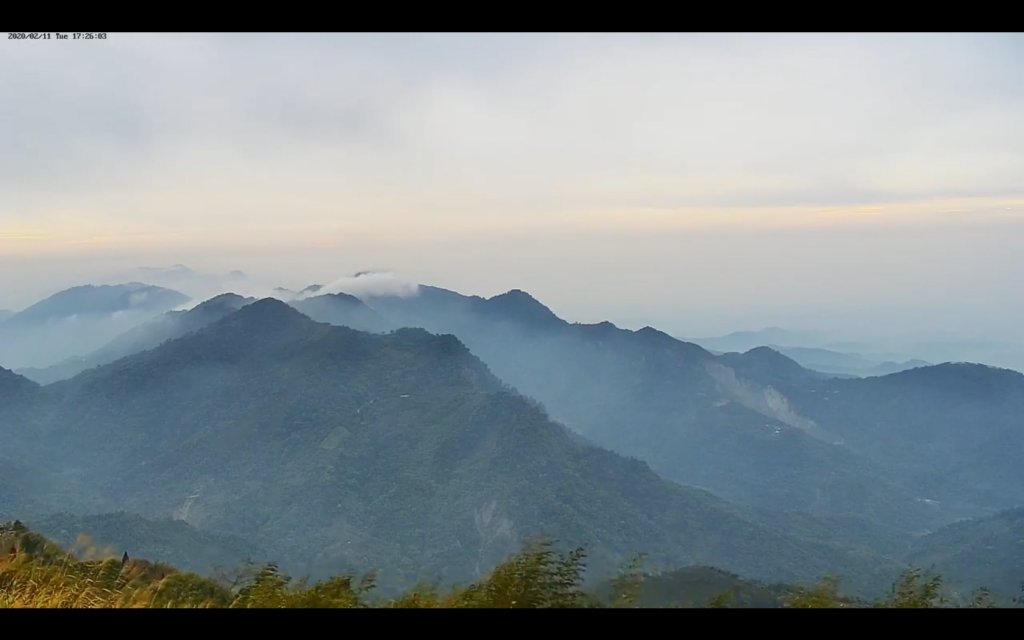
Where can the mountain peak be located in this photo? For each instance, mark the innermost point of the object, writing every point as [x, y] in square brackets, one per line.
[768, 366]
[341, 309]
[767, 354]
[270, 310]
[518, 305]
[224, 300]
[651, 333]
[661, 340]
[265, 317]
[342, 297]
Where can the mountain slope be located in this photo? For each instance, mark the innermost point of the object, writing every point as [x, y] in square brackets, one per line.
[167, 326]
[985, 552]
[341, 309]
[13, 385]
[955, 430]
[161, 540]
[335, 449]
[724, 423]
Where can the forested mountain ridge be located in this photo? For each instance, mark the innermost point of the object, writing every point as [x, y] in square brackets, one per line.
[725, 422]
[335, 449]
[955, 430]
[754, 427]
[342, 309]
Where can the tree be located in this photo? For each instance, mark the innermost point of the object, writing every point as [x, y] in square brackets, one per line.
[823, 595]
[914, 590]
[537, 577]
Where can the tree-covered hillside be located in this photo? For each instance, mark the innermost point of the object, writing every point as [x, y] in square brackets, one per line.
[725, 423]
[334, 449]
[987, 551]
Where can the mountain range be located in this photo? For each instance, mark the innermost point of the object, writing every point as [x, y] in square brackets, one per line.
[396, 432]
[335, 449]
[729, 423]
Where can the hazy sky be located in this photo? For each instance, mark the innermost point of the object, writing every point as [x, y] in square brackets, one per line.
[697, 182]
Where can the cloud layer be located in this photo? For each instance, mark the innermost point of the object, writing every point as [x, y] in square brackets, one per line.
[765, 176]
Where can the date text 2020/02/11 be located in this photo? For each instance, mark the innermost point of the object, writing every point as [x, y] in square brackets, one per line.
[80, 35]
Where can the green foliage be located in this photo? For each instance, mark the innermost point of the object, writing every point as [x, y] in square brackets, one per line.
[688, 587]
[627, 585]
[722, 600]
[987, 551]
[537, 577]
[982, 598]
[823, 595]
[421, 597]
[335, 593]
[41, 574]
[179, 588]
[914, 590]
[270, 589]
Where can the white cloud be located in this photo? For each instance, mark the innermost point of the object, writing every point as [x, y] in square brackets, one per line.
[370, 283]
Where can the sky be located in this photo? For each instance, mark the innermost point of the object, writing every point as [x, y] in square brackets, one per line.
[700, 183]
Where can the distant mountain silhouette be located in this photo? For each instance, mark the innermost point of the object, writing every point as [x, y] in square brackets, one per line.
[769, 366]
[97, 300]
[172, 324]
[343, 310]
[847, 364]
[740, 341]
[78, 320]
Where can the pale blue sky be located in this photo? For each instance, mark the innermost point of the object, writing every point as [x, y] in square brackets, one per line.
[697, 182]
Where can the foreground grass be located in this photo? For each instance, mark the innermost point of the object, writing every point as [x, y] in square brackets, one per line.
[36, 573]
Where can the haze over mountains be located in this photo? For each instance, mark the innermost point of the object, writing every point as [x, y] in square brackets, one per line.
[386, 431]
[78, 320]
[816, 350]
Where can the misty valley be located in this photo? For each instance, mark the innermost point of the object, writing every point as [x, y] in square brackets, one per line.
[373, 442]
